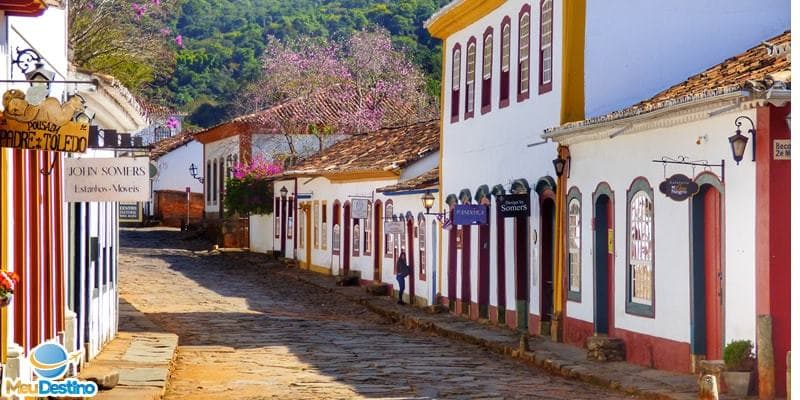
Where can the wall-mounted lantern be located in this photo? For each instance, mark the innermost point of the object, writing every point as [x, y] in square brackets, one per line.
[193, 172]
[284, 192]
[739, 142]
[559, 164]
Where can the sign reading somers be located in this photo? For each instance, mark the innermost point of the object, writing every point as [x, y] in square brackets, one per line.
[124, 179]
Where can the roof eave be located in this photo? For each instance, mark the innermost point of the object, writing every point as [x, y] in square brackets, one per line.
[458, 15]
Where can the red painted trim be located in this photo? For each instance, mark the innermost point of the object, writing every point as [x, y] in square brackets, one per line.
[524, 96]
[60, 280]
[34, 237]
[46, 245]
[467, 113]
[546, 87]
[455, 94]
[493, 314]
[484, 256]
[534, 324]
[486, 84]
[451, 261]
[511, 319]
[501, 259]
[505, 77]
[773, 230]
[655, 352]
[19, 244]
[576, 331]
[466, 263]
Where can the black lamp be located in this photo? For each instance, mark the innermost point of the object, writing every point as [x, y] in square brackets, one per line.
[559, 164]
[739, 142]
[193, 172]
[284, 192]
[427, 202]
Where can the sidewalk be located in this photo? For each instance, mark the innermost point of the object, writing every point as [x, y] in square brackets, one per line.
[556, 358]
[141, 354]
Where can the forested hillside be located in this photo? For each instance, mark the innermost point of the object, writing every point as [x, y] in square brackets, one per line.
[223, 40]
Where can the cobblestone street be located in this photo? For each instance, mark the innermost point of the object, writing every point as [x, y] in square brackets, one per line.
[248, 333]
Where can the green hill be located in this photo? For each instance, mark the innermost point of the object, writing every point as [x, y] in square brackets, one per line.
[225, 38]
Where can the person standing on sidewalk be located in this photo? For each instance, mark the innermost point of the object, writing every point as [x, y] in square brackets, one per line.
[402, 273]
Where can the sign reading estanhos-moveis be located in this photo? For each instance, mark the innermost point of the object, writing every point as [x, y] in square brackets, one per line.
[123, 179]
[45, 126]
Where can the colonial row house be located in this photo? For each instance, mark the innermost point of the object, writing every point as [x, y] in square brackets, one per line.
[173, 185]
[677, 216]
[511, 69]
[273, 134]
[65, 253]
[353, 207]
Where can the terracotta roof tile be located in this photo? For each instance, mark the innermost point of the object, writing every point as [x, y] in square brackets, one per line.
[424, 181]
[386, 149]
[728, 76]
[165, 146]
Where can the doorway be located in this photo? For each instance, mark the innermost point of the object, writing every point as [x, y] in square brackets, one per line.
[521, 270]
[410, 257]
[603, 265]
[707, 273]
[345, 250]
[377, 251]
[547, 217]
[483, 268]
[307, 210]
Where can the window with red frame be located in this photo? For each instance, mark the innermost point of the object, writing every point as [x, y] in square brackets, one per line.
[469, 111]
[546, 47]
[505, 60]
[455, 90]
[524, 54]
[486, 82]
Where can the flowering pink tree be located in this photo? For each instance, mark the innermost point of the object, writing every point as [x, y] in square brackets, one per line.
[249, 191]
[371, 84]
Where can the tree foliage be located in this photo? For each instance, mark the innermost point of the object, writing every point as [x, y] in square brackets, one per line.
[226, 38]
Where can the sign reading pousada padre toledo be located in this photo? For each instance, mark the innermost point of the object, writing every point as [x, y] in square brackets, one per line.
[107, 179]
[46, 126]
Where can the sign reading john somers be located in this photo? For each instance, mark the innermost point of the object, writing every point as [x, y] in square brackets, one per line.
[106, 179]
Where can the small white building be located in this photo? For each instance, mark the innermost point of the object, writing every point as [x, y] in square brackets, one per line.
[674, 245]
[173, 186]
[339, 203]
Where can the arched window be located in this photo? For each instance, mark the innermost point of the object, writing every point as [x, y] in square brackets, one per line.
[524, 54]
[505, 60]
[640, 271]
[486, 82]
[455, 89]
[574, 244]
[324, 231]
[469, 112]
[546, 47]
[368, 230]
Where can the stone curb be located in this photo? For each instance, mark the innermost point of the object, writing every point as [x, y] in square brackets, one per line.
[543, 359]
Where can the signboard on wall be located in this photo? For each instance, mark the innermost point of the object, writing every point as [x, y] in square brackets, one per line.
[358, 209]
[130, 212]
[123, 179]
[514, 205]
[46, 126]
[679, 187]
[781, 149]
[470, 214]
[394, 227]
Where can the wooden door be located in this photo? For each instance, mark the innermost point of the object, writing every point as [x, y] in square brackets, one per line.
[712, 224]
[483, 269]
[377, 253]
[308, 235]
[410, 258]
[548, 246]
[603, 300]
[345, 250]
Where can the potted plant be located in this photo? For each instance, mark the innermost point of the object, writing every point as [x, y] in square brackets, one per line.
[739, 362]
[8, 280]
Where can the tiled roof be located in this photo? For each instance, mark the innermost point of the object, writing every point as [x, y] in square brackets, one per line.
[424, 181]
[729, 76]
[165, 146]
[387, 149]
[281, 118]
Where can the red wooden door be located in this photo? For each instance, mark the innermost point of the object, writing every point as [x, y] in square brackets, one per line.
[345, 250]
[713, 273]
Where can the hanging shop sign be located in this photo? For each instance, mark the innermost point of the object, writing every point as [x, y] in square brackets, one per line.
[394, 227]
[47, 126]
[514, 205]
[124, 179]
[679, 187]
[358, 209]
[470, 214]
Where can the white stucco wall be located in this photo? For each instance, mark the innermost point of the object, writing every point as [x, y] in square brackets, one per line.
[261, 233]
[635, 49]
[214, 152]
[47, 34]
[591, 164]
[173, 168]
[493, 148]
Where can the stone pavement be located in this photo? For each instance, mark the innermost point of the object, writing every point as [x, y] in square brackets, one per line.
[247, 331]
[557, 358]
[140, 353]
